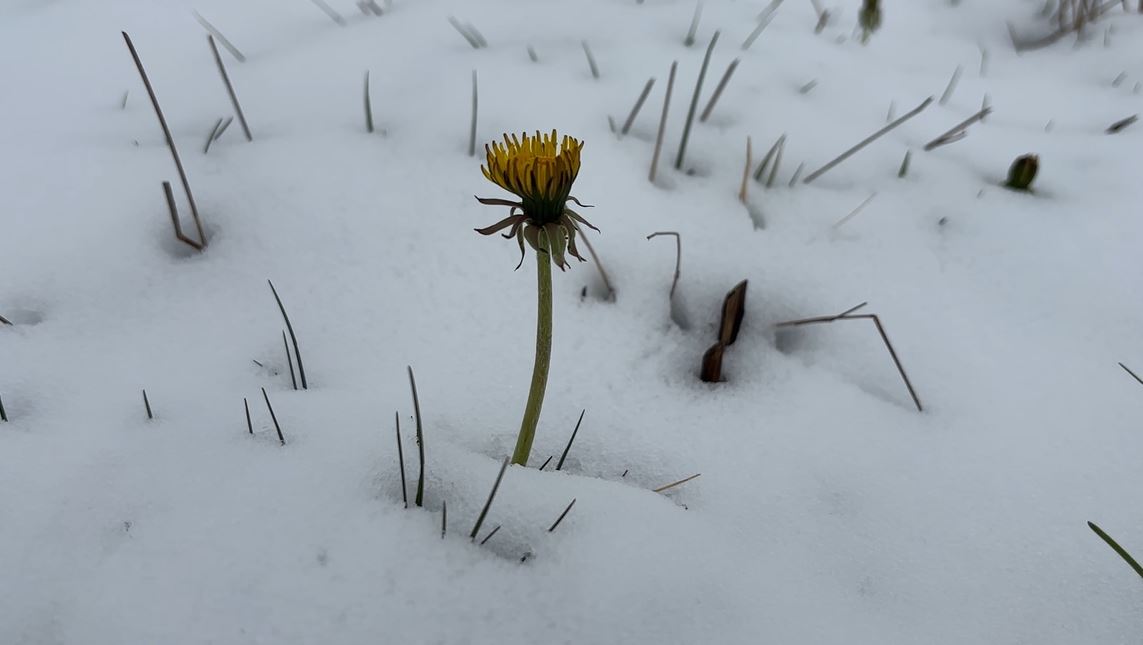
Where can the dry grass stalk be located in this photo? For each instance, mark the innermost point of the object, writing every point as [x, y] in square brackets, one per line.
[638, 105]
[274, 417]
[170, 139]
[567, 448]
[420, 498]
[401, 459]
[472, 126]
[718, 90]
[957, 132]
[1118, 126]
[663, 122]
[611, 294]
[850, 315]
[694, 104]
[293, 337]
[742, 192]
[678, 257]
[249, 423]
[866, 141]
[561, 517]
[951, 87]
[230, 89]
[172, 208]
[591, 61]
[222, 39]
[488, 503]
[678, 483]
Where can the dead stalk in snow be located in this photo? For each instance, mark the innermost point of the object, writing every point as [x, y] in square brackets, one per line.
[230, 89]
[289, 360]
[678, 257]
[718, 90]
[611, 295]
[368, 106]
[866, 141]
[1133, 374]
[561, 517]
[170, 140]
[293, 337]
[849, 315]
[420, 498]
[401, 459]
[663, 121]
[1118, 126]
[690, 39]
[222, 39]
[678, 483]
[951, 87]
[591, 61]
[742, 192]
[958, 131]
[853, 213]
[172, 208]
[694, 103]
[560, 463]
[273, 417]
[472, 126]
[488, 503]
[638, 105]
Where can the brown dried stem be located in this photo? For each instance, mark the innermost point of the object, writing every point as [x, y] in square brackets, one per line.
[169, 137]
[599, 267]
[638, 104]
[678, 483]
[866, 141]
[678, 257]
[957, 132]
[230, 89]
[663, 121]
[849, 315]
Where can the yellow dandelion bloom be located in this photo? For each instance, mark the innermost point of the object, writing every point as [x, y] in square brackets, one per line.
[540, 170]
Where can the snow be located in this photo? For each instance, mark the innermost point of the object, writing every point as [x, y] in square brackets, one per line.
[828, 509]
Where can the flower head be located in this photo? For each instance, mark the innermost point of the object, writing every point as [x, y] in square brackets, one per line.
[540, 170]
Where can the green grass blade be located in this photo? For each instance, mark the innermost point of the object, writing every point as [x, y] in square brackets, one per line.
[1118, 549]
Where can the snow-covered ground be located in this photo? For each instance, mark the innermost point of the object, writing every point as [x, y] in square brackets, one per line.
[829, 509]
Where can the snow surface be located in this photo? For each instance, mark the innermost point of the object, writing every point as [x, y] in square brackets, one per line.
[828, 511]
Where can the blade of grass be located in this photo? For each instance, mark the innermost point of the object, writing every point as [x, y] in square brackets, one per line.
[673, 484]
[638, 104]
[694, 103]
[560, 463]
[488, 503]
[293, 338]
[866, 141]
[1118, 549]
[273, 417]
[230, 89]
[169, 137]
[663, 121]
[420, 498]
[401, 459]
[562, 516]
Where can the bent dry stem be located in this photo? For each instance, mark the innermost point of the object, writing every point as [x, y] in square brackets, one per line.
[543, 355]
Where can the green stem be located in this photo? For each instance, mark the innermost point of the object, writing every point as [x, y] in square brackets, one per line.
[543, 355]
